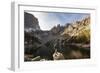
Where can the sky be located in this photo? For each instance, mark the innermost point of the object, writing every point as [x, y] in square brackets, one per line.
[48, 20]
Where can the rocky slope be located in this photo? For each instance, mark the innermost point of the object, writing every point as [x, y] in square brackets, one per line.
[78, 32]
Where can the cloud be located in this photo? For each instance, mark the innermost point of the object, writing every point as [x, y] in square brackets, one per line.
[46, 20]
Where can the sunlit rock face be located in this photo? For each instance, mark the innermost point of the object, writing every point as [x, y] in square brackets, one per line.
[79, 31]
[31, 23]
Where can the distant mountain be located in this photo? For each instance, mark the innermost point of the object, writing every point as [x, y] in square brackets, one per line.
[31, 23]
[57, 29]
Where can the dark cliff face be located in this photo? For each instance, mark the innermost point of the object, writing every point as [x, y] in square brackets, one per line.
[30, 22]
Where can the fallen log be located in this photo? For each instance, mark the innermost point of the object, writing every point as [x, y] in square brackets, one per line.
[36, 58]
